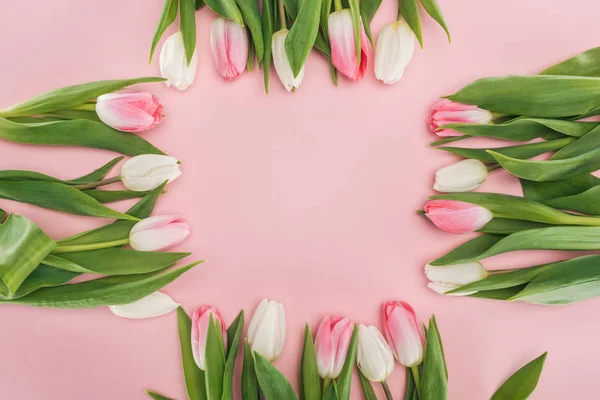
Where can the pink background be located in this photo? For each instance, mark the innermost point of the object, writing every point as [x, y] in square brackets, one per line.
[306, 198]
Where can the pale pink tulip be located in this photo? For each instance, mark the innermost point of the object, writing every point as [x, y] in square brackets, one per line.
[404, 333]
[447, 112]
[129, 112]
[229, 45]
[200, 321]
[457, 216]
[331, 345]
[158, 233]
[343, 45]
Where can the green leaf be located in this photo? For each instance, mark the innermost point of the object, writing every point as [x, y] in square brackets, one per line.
[200, 4]
[542, 191]
[157, 396]
[368, 9]
[341, 391]
[3, 215]
[499, 294]
[42, 276]
[325, 11]
[23, 245]
[301, 38]
[97, 174]
[194, 376]
[523, 382]
[309, 373]
[409, 10]
[168, 16]
[215, 361]
[449, 140]
[268, 17]
[368, 388]
[502, 280]
[433, 9]
[272, 383]
[586, 202]
[434, 382]
[234, 335]
[252, 18]
[76, 114]
[112, 290]
[82, 133]
[545, 96]
[503, 226]
[64, 264]
[249, 382]
[226, 9]
[587, 142]
[355, 11]
[584, 64]
[187, 24]
[469, 250]
[111, 196]
[291, 8]
[411, 388]
[70, 96]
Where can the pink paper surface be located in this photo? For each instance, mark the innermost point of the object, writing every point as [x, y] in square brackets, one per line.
[306, 198]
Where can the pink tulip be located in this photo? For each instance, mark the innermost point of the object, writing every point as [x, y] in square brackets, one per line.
[404, 333]
[200, 321]
[447, 112]
[158, 233]
[331, 345]
[129, 112]
[457, 216]
[229, 45]
[343, 45]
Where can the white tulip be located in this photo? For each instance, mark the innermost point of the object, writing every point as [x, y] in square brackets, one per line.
[374, 358]
[395, 49]
[173, 63]
[266, 332]
[282, 64]
[149, 171]
[462, 176]
[153, 305]
[446, 278]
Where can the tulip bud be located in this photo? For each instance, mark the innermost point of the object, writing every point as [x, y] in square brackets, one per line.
[266, 332]
[463, 176]
[229, 45]
[331, 345]
[343, 45]
[158, 233]
[282, 64]
[446, 278]
[129, 112]
[457, 216]
[149, 171]
[395, 49]
[447, 112]
[173, 63]
[200, 321]
[404, 333]
[374, 357]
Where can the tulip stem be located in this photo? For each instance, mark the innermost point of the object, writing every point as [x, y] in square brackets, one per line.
[91, 246]
[417, 378]
[85, 107]
[338, 5]
[98, 183]
[386, 389]
[282, 14]
[326, 385]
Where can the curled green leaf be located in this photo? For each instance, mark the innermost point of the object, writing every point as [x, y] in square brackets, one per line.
[409, 10]
[168, 16]
[301, 38]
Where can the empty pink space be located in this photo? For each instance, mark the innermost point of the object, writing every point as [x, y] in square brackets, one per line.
[305, 198]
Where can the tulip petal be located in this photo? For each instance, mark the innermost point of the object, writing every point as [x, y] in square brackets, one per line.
[456, 216]
[395, 49]
[459, 177]
[153, 305]
[173, 63]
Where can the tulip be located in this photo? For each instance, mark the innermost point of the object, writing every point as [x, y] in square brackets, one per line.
[229, 45]
[173, 63]
[404, 333]
[200, 320]
[343, 45]
[266, 332]
[463, 176]
[282, 64]
[331, 345]
[447, 112]
[374, 357]
[457, 216]
[149, 171]
[395, 49]
[158, 233]
[129, 112]
[446, 278]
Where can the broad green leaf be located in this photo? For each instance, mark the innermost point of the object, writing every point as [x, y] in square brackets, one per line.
[64, 264]
[542, 191]
[368, 388]
[301, 38]
[499, 294]
[226, 9]
[157, 396]
[77, 114]
[97, 174]
[112, 290]
[433, 9]
[215, 361]
[250, 389]
[234, 335]
[584, 64]
[544, 96]
[586, 202]
[503, 226]
[341, 390]
[42, 276]
[23, 245]
[70, 96]
[268, 18]
[194, 376]
[469, 250]
[503, 280]
[409, 10]
[368, 9]
[309, 373]
[434, 382]
[587, 142]
[111, 196]
[76, 133]
[450, 139]
[168, 16]
[523, 382]
[291, 8]
[252, 18]
[187, 24]
[272, 382]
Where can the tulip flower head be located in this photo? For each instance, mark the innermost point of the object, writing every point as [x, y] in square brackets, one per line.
[173, 63]
[456, 216]
[129, 112]
[446, 112]
[343, 45]
[282, 64]
[200, 322]
[446, 278]
[149, 171]
[158, 233]
[395, 49]
[462, 176]
[404, 333]
[267, 330]
[229, 45]
[374, 356]
[331, 345]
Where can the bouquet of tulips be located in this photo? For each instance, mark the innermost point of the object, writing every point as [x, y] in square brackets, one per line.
[559, 209]
[209, 351]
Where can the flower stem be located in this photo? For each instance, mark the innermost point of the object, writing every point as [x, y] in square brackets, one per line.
[98, 183]
[91, 246]
[338, 5]
[326, 385]
[282, 14]
[417, 378]
[386, 389]
[85, 107]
